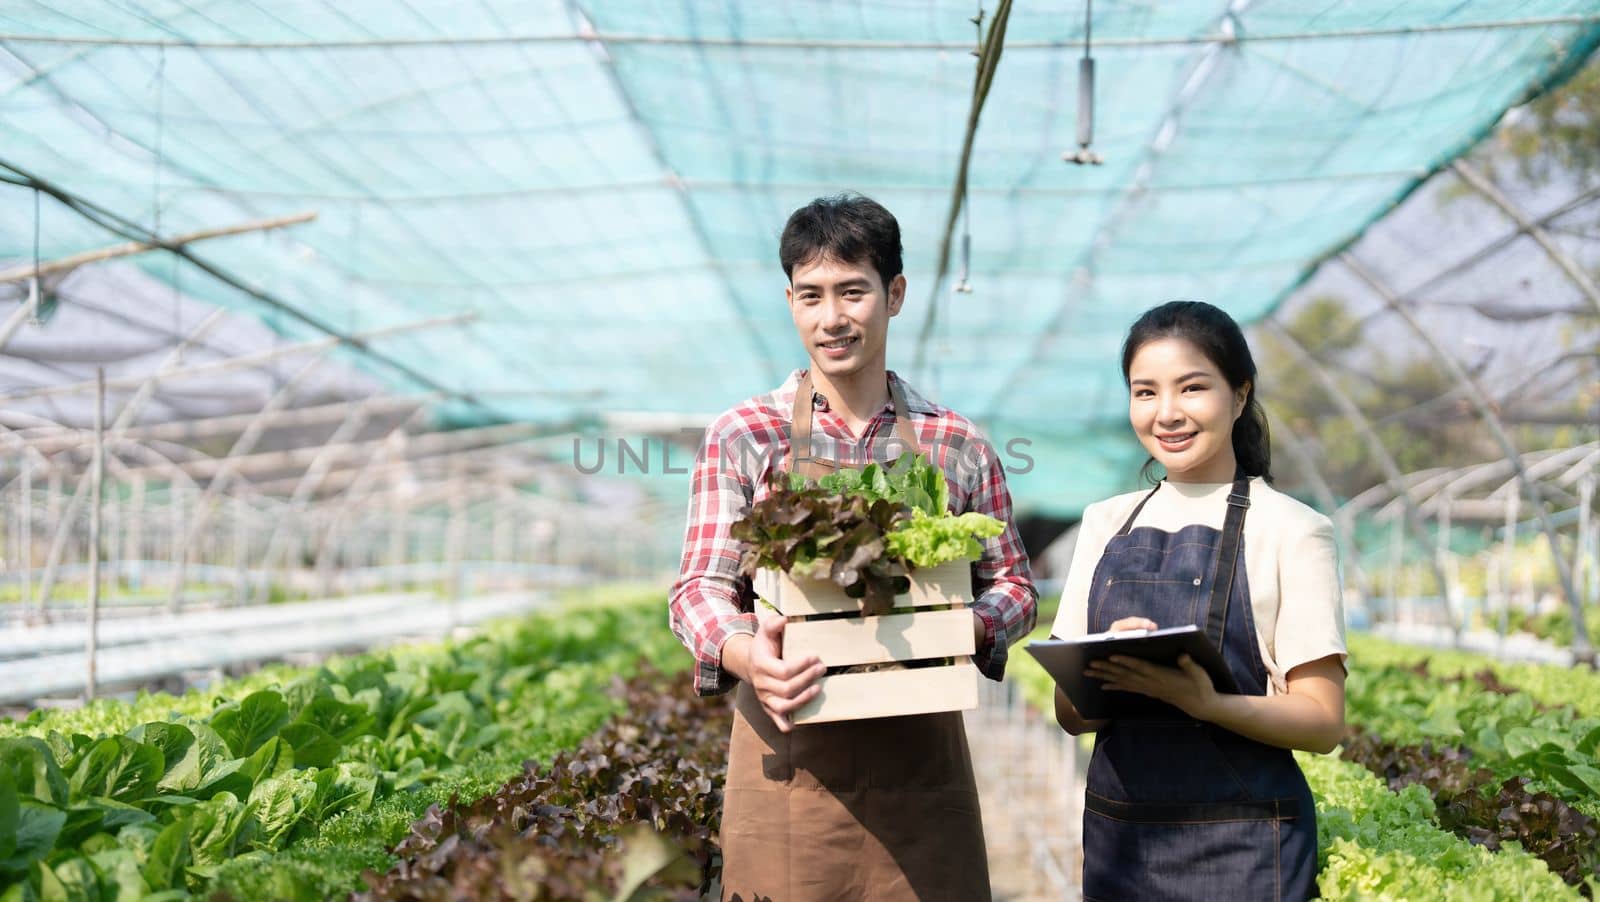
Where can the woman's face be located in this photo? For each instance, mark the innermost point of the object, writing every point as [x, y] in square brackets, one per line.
[1183, 409]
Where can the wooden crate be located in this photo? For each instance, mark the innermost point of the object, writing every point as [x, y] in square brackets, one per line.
[904, 634]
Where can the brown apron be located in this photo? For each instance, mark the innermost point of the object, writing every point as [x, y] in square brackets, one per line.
[854, 810]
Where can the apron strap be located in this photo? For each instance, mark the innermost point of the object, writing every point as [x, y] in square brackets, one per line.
[800, 425]
[1128, 524]
[903, 427]
[1226, 561]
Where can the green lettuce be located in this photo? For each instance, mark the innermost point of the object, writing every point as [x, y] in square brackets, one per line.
[925, 541]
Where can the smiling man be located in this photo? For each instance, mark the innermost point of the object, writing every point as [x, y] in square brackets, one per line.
[872, 809]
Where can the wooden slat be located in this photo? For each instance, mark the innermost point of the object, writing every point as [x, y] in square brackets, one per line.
[893, 693]
[945, 584]
[874, 640]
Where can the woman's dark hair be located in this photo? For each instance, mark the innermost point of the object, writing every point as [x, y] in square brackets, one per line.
[1218, 337]
[846, 227]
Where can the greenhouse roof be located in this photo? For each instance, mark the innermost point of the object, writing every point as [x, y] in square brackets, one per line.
[602, 184]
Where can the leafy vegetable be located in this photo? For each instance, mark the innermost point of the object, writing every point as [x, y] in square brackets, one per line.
[163, 804]
[1376, 844]
[639, 802]
[911, 482]
[870, 527]
[1473, 804]
[925, 541]
[800, 527]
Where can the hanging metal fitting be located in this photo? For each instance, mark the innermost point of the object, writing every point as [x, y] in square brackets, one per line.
[963, 285]
[33, 300]
[1083, 155]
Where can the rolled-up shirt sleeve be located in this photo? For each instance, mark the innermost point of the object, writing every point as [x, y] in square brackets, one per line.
[1006, 600]
[704, 608]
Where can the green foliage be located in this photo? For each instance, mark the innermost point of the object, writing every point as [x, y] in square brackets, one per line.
[912, 482]
[1473, 805]
[1558, 134]
[868, 527]
[925, 541]
[1557, 625]
[191, 803]
[798, 528]
[1374, 843]
[1507, 732]
[573, 828]
[1547, 685]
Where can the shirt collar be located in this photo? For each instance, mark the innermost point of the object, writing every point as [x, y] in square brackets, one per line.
[915, 402]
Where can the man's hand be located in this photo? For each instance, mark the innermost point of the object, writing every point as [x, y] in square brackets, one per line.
[780, 686]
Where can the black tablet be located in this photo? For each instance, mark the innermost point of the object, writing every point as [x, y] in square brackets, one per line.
[1066, 659]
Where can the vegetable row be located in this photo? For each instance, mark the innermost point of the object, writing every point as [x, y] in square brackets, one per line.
[288, 784]
[637, 804]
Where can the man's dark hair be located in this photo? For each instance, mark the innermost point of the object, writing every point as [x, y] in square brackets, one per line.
[846, 227]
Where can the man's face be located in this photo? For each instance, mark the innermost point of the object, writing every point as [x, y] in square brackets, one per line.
[841, 311]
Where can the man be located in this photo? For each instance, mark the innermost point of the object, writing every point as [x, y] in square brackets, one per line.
[870, 809]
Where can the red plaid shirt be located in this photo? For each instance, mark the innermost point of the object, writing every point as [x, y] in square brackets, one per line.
[710, 602]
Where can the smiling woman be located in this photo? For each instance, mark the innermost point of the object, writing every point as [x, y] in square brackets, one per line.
[1238, 819]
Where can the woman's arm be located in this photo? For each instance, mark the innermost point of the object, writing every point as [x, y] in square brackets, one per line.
[1310, 716]
[1067, 715]
[1066, 712]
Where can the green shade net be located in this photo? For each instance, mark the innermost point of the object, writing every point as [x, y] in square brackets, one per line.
[609, 206]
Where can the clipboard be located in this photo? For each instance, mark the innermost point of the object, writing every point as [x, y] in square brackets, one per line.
[1066, 659]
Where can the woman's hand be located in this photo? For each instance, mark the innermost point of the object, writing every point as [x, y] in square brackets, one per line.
[1132, 623]
[1186, 687]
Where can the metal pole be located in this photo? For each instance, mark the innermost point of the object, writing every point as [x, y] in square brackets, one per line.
[27, 535]
[65, 264]
[1582, 650]
[457, 527]
[1513, 502]
[1582, 561]
[1300, 450]
[243, 445]
[294, 511]
[1397, 539]
[134, 536]
[145, 391]
[1574, 271]
[170, 369]
[1215, 36]
[241, 551]
[1391, 469]
[397, 515]
[97, 479]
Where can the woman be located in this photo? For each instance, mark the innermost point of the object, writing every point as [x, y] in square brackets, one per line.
[1195, 794]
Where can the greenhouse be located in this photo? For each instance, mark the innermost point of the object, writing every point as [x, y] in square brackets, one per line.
[372, 377]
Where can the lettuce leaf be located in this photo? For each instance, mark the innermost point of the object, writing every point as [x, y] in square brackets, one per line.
[925, 541]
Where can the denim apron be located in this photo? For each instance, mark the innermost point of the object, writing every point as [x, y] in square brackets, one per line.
[1177, 808]
[857, 810]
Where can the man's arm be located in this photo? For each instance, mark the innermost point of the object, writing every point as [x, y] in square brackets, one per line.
[1007, 604]
[704, 606]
